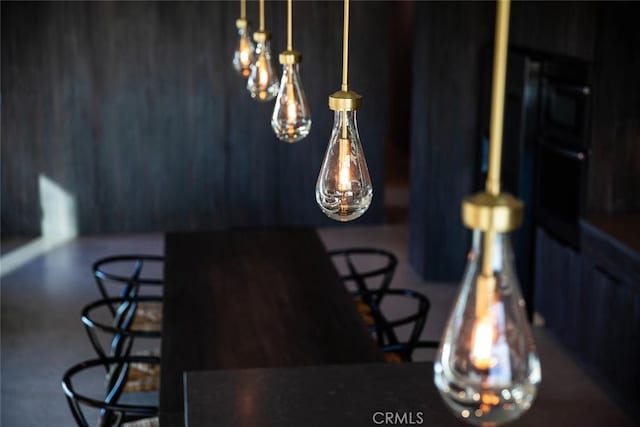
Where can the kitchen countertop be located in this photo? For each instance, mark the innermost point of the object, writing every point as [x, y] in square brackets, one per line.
[613, 242]
[350, 395]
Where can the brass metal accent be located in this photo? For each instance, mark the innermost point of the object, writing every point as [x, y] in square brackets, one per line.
[243, 10]
[485, 294]
[344, 101]
[497, 96]
[261, 36]
[345, 47]
[261, 16]
[242, 23]
[492, 214]
[289, 57]
[289, 25]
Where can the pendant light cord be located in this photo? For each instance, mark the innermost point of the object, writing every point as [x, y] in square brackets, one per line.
[261, 15]
[243, 9]
[289, 25]
[497, 97]
[345, 47]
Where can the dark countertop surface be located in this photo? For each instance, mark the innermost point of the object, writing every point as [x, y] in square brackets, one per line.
[314, 396]
[625, 228]
[349, 395]
[613, 241]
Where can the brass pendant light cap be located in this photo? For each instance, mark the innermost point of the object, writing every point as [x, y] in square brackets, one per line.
[486, 212]
[344, 101]
[261, 36]
[289, 57]
[242, 23]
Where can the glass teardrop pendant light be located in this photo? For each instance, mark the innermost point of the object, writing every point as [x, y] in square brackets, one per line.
[343, 190]
[487, 369]
[262, 83]
[243, 56]
[291, 119]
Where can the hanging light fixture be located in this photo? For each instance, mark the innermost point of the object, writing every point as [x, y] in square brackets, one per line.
[487, 369]
[291, 120]
[262, 82]
[343, 189]
[243, 55]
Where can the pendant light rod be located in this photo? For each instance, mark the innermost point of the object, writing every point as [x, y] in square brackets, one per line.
[497, 97]
[345, 47]
[487, 267]
[495, 136]
[261, 15]
[289, 25]
[243, 9]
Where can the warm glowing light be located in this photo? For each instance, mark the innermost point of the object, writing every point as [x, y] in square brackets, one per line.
[344, 168]
[482, 344]
[263, 73]
[245, 52]
[292, 112]
[343, 189]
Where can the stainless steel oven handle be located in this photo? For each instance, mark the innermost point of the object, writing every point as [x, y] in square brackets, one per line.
[565, 87]
[574, 154]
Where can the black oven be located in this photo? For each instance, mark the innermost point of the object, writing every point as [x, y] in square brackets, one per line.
[564, 112]
[562, 152]
[561, 193]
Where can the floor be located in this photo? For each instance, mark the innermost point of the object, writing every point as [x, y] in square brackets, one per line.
[42, 335]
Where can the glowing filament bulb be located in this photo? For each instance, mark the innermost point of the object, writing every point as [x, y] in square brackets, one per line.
[344, 189]
[243, 55]
[344, 170]
[482, 344]
[486, 368]
[245, 52]
[292, 109]
[263, 72]
[262, 83]
[291, 119]
[483, 334]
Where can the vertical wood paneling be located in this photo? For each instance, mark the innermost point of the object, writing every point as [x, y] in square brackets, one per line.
[449, 38]
[614, 175]
[135, 110]
[561, 27]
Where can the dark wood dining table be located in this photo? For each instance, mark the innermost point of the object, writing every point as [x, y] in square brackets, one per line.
[253, 298]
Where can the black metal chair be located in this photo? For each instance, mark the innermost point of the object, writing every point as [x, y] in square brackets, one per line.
[362, 278]
[108, 270]
[125, 328]
[385, 329]
[112, 413]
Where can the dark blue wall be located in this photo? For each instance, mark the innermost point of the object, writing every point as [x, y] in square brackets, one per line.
[134, 109]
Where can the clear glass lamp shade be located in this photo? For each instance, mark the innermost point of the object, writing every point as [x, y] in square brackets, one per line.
[243, 56]
[343, 189]
[291, 120]
[262, 83]
[487, 369]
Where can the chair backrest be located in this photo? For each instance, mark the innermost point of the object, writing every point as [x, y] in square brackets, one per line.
[385, 329]
[126, 271]
[122, 330]
[112, 413]
[362, 277]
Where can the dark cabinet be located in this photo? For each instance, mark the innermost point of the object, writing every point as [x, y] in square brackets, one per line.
[592, 311]
[558, 288]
